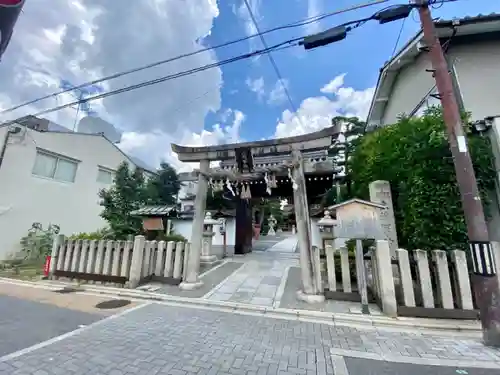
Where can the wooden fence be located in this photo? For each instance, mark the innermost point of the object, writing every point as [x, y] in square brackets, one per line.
[127, 263]
[424, 284]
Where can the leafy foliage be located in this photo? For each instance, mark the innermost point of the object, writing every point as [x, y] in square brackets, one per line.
[414, 156]
[38, 242]
[164, 187]
[217, 201]
[127, 194]
[101, 234]
[130, 191]
[341, 151]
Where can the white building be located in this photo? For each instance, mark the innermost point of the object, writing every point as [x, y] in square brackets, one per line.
[406, 85]
[473, 51]
[52, 177]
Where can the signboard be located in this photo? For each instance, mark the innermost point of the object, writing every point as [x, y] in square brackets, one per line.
[152, 223]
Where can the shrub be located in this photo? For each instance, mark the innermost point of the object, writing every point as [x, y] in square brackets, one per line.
[101, 234]
[38, 242]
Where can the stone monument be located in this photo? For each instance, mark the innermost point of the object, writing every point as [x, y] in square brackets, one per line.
[380, 192]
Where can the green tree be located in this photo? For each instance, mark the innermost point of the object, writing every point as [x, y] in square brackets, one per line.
[127, 194]
[217, 200]
[163, 188]
[341, 150]
[414, 156]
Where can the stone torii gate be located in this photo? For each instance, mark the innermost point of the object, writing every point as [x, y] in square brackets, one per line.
[286, 167]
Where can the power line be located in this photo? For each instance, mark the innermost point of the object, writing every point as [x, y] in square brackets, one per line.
[277, 47]
[398, 38]
[162, 62]
[273, 62]
[280, 46]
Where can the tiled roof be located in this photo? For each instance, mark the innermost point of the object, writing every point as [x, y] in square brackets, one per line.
[470, 19]
[153, 211]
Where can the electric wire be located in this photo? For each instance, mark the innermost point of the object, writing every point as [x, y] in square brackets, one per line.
[273, 62]
[218, 46]
[280, 46]
[398, 38]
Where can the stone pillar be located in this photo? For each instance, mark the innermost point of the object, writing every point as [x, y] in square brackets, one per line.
[193, 265]
[380, 192]
[496, 254]
[385, 279]
[136, 262]
[56, 253]
[311, 291]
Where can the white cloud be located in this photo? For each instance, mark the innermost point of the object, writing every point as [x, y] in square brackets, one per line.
[316, 113]
[257, 86]
[81, 40]
[156, 145]
[244, 14]
[314, 8]
[333, 86]
[277, 95]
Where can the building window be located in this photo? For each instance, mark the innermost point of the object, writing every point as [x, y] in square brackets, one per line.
[54, 167]
[105, 176]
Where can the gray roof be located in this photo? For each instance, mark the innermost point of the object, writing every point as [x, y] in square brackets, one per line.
[470, 25]
[141, 164]
[153, 211]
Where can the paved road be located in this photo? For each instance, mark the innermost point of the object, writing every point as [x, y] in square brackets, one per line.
[25, 323]
[160, 339]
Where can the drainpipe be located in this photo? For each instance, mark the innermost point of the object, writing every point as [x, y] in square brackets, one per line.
[4, 146]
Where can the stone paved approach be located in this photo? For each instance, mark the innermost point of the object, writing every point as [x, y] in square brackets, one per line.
[159, 339]
[288, 245]
[260, 281]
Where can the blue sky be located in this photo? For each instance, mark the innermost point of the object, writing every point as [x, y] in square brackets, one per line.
[359, 56]
[81, 40]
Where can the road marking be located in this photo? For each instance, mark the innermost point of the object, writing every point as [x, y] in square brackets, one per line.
[415, 360]
[339, 365]
[66, 335]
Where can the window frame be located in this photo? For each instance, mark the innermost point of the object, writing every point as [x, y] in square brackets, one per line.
[57, 157]
[112, 172]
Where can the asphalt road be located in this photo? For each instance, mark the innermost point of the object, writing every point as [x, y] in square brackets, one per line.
[159, 339]
[25, 323]
[368, 367]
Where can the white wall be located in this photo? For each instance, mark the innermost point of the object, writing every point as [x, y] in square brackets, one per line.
[184, 228]
[476, 66]
[26, 198]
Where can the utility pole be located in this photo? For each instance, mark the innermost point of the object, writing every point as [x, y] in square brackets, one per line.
[485, 284]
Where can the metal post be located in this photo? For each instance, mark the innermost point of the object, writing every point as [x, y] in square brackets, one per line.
[485, 286]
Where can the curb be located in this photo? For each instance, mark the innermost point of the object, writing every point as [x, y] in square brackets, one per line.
[415, 325]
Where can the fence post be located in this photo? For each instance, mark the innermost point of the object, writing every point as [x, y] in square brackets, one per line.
[54, 254]
[386, 279]
[496, 256]
[136, 263]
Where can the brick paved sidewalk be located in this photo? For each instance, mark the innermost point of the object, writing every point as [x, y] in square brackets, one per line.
[159, 339]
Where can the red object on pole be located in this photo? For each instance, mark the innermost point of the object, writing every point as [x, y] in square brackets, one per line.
[46, 266]
[485, 284]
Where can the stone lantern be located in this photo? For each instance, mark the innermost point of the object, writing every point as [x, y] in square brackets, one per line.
[272, 225]
[325, 226]
[208, 234]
